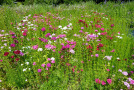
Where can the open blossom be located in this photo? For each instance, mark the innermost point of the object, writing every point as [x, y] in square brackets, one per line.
[43, 65]
[72, 51]
[97, 55]
[126, 84]
[108, 57]
[6, 53]
[52, 61]
[103, 83]
[125, 73]
[12, 45]
[39, 70]
[34, 63]
[49, 65]
[97, 81]
[43, 29]
[109, 81]
[35, 47]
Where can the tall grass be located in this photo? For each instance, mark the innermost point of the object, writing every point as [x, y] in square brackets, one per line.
[70, 71]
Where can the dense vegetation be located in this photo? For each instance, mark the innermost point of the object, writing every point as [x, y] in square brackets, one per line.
[68, 47]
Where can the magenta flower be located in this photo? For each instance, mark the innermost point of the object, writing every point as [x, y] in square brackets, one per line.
[34, 63]
[82, 27]
[12, 45]
[1, 60]
[102, 29]
[43, 29]
[49, 65]
[52, 61]
[97, 81]
[97, 55]
[109, 81]
[48, 59]
[108, 70]
[22, 54]
[43, 65]
[47, 35]
[132, 82]
[35, 47]
[103, 83]
[39, 70]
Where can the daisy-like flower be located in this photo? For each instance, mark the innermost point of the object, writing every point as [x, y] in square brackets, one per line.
[24, 70]
[27, 63]
[40, 49]
[52, 58]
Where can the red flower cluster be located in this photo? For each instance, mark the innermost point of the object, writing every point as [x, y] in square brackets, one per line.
[6, 53]
[83, 22]
[17, 52]
[99, 45]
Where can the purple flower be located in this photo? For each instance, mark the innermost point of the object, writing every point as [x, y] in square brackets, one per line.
[97, 55]
[43, 65]
[39, 70]
[49, 65]
[120, 70]
[34, 63]
[47, 35]
[82, 27]
[21, 53]
[126, 84]
[43, 29]
[12, 45]
[35, 47]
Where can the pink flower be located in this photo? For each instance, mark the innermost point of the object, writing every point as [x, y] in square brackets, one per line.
[96, 30]
[49, 65]
[126, 84]
[43, 65]
[108, 57]
[97, 81]
[52, 61]
[113, 50]
[12, 45]
[125, 73]
[102, 29]
[43, 29]
[109, 81]
[108, 70]
[46, 68]
[120, 70]
[1, 60]
[48, 59]
[97, 55]
[35, 47]
[39, 70]
[82, 27]
[103, 83]
[34, 63]
[132, 82]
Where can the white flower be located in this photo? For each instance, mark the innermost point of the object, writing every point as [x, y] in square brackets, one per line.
[70, 24]
[21, 64]
[53, 34]
[50, 36]
[24, 70]
[52, 58]
[59, 26]
[19, 24]
[65, 39]
[27, 63]
[40, 49]
[64, 28]
[98, 33]
[118, 58]
[49, 42]
[72, 51]
[25, 20]
[26, 80]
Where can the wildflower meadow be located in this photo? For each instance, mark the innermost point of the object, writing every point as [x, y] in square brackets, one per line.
[82, 46]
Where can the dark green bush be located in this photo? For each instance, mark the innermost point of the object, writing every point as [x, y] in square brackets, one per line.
[7, 2]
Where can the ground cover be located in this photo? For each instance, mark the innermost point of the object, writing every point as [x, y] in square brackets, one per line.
[81, 46]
